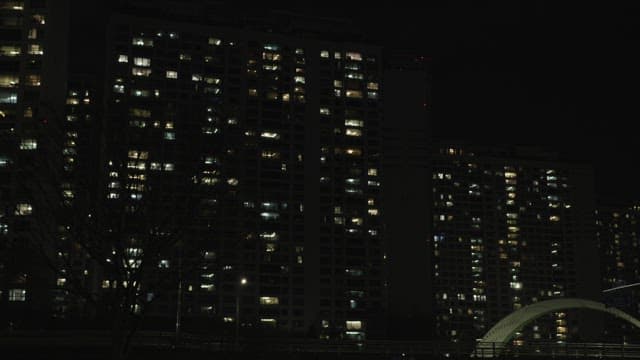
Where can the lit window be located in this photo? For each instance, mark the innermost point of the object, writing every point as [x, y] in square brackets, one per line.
[266, 154]
[140, 93]
[9, 50]
[269, 215]
[268, 322]
[353, 132]
[355, 56]
[17, 295]
[140, 61]
[123, 59]
[269, 300]
[28, 144]
[23, 209]
[140, 71]
[33, 34]
[196, 77]
[8, 97]
[214, 41]
[172, 74]
[324, 53]
[354, 324]
[325, 111]
[35, 49]
[355, 94]
[9, 80]
[138, 41]
[270, 135]
[118, 88]
[169, 135]
[354, 122]
[39, 18]
[353, 151]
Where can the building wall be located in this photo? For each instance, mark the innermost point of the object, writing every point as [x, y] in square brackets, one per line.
[407, 197]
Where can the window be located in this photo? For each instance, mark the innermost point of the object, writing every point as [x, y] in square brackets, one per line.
[324, 53]
[354, 122]
[355, 94]
[138, 41]
[35, 49]
[140, 93]
[23, 209]
[354, 56]
[172, 74]
[140, 71]
[268, 322]
[140, 61]
[270, 135]
[353, 132]
[17, 295]
[7, 97]
[28, 144]
[354, 325]
[214, 41]
[123, 59]
[9, 50]
[9, 80]
[269, 300]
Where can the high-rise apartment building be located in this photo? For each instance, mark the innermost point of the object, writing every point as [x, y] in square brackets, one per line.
[277, 136]
[618, 233]
[32, 83]
[511, 227]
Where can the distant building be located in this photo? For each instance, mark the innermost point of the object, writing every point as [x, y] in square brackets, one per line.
[618, 233]
[512, 226]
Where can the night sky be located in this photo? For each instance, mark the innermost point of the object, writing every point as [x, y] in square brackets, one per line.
[535, 73]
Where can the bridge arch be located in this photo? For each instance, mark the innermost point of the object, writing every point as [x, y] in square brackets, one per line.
[501, 333]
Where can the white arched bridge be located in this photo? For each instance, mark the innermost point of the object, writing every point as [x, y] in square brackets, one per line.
[505, 330]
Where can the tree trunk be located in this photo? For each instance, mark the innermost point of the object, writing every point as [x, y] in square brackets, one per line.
[119, 346]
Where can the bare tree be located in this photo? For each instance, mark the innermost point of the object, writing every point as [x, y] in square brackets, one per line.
[114, 258]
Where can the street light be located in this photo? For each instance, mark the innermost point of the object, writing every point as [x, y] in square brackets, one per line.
[243, 282]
